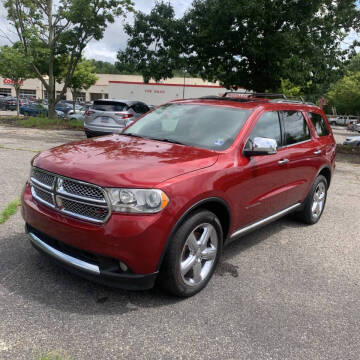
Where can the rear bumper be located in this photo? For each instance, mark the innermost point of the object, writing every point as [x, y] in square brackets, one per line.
[94, 268]
[90, 133]
[102, 130]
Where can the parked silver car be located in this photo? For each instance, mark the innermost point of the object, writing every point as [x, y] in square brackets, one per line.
[108, 116]
[352, 141]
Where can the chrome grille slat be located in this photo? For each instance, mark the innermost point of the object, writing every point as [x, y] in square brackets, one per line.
[43, 196]
[80, 190]
[84, 210]
[69, 196]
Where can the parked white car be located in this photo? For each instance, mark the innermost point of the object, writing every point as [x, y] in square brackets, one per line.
[78, 114]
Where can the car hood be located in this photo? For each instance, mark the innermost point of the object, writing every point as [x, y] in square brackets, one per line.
[124, 161]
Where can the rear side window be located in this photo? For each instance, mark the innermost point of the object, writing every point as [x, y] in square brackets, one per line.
[268, 126]
[295, 127]
[109, 106]
[140, 108]
[319, 124]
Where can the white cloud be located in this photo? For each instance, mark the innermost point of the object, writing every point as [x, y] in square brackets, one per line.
[115, 38]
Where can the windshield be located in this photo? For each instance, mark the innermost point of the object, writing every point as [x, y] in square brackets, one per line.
[210, 127]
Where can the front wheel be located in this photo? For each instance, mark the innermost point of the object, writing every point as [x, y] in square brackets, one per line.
[193, 254]
[315, 202]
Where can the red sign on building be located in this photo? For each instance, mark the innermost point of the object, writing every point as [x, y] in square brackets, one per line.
[11, 82]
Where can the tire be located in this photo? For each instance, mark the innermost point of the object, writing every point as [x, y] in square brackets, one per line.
[189, 265]
[311, 213]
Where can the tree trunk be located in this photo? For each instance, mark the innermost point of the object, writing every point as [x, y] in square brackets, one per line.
[17, 91]
[73, 92]
[51, 92]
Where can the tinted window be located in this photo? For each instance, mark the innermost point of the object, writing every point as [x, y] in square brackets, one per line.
[143, 108]
[268, 126]
[295, 127]
[140, 108]
[319, 124]
[109, 106]
[211, 127]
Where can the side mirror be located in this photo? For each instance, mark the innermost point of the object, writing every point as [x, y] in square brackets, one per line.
[260, 146]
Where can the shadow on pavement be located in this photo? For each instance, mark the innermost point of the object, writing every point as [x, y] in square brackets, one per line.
[35, 278]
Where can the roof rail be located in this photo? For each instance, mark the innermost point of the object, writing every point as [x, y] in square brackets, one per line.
[273, 96]
[248, 94]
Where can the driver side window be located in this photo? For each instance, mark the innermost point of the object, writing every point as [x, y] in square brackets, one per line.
[268, 126]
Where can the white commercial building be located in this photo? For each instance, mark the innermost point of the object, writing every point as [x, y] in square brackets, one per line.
[124, 86]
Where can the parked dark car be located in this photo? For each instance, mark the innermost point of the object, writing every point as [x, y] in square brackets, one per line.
[160, 200]
[9, 103]
[63, 107]
[33, 110]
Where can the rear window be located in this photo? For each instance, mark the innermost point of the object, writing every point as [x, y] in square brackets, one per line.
[319, 124]
[109, 106]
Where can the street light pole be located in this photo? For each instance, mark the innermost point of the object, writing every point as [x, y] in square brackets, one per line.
[184, 85]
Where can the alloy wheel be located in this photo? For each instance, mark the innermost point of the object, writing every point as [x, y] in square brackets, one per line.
[199, 254]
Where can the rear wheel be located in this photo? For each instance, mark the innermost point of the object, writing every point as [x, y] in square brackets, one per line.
[193, 254]
[315, 202]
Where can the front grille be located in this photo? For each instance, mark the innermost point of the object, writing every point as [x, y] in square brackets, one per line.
[79, 189]
[43, 177]
[69, 196]
[89, 211]
[42, 196]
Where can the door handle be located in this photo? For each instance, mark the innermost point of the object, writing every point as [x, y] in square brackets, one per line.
[317, 152]
[283, 161]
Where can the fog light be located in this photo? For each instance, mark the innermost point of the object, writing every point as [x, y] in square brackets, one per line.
[123, 266]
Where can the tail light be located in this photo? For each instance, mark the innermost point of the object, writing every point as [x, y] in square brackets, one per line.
[124, 116]
[89, 112]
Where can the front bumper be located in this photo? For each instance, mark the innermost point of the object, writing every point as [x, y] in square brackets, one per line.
[136, 240]
[96, 268]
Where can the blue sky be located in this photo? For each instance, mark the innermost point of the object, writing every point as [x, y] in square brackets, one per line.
[115, 38]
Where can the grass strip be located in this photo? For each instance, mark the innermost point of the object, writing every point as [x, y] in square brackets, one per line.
[10, 210]
[347, 149]
[41, 122]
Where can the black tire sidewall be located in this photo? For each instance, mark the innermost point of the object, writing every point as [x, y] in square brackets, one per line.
[307, 210]
[170, 271]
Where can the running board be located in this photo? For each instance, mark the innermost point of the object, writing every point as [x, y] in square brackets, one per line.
[263, 222]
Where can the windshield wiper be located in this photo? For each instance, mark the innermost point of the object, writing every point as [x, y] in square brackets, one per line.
[167, 140]
[131, 134]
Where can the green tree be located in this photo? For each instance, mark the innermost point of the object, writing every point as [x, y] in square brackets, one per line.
[15, 66]
[154, 47]
[345, 93]
[354, 63]
[251, 44]
[83, 77]
[258, 43]
[50, 29]
[104, 67]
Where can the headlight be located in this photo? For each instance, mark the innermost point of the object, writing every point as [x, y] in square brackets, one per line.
[137, 200]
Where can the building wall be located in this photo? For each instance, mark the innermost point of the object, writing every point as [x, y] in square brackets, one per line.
[159, 93]
[126, 86]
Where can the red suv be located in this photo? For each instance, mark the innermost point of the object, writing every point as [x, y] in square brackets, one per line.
[159, 201]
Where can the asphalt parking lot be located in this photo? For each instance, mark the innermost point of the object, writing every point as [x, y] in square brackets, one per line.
[286, 291]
